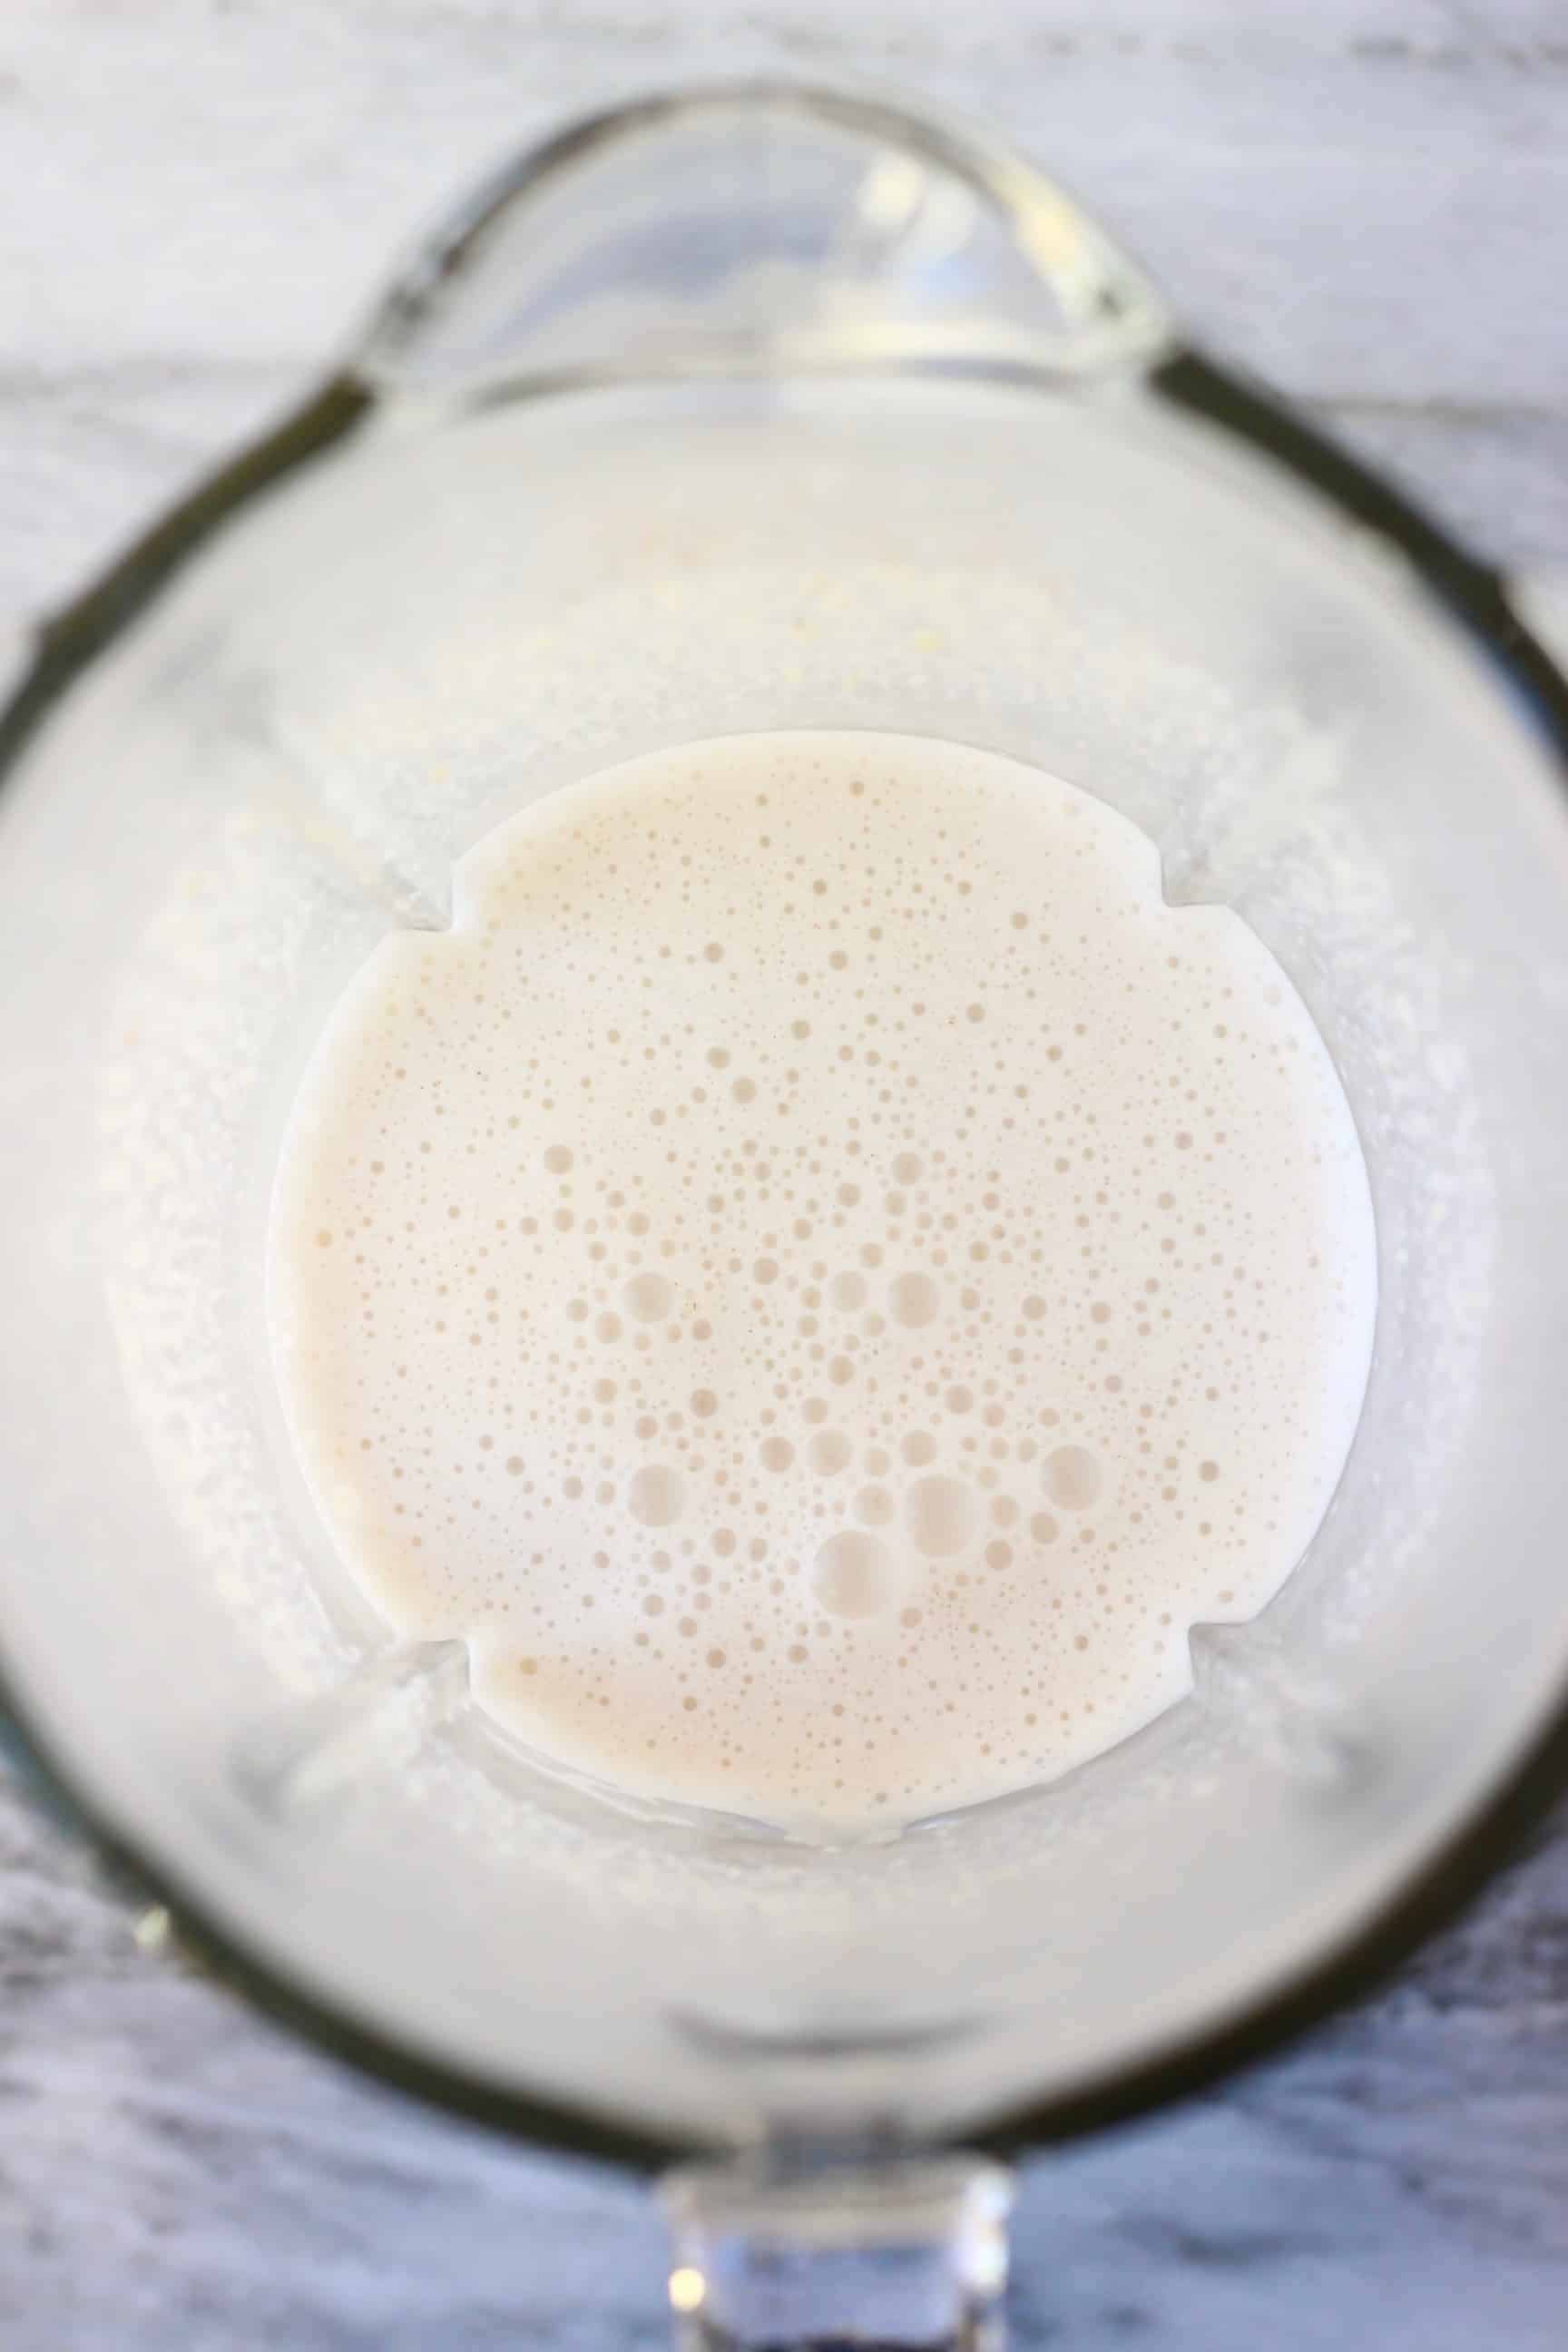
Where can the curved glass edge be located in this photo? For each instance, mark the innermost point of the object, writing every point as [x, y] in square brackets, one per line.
[1475, 596]
[1540, 598]
[81, 630]
[1115, 316]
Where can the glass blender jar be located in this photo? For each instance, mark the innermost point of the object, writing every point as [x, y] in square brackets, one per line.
[749, 408]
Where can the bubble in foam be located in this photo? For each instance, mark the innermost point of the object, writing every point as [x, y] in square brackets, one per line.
[775, 1453]
[852, 1574]
[648, 1297]
[873, 1506]
[907, 1167]
[558, 1159]
[918, 1446]
[913, 1299]
[847, 1291]
[656, 1495]
[827, 1451]
[940, 1513]
[1072, 1477]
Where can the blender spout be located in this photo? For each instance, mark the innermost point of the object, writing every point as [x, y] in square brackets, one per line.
[757, 230]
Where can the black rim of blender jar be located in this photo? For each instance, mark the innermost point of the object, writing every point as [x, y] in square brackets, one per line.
[1473, 595]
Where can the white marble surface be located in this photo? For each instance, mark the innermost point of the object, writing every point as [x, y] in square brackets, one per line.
[1368, 200]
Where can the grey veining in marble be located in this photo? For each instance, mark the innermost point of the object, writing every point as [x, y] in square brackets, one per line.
[1365, 200]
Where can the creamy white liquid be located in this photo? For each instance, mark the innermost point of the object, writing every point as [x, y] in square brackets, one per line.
[821, 1278]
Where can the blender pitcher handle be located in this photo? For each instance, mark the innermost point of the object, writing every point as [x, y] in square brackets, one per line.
[909, 2255]
[759, 229]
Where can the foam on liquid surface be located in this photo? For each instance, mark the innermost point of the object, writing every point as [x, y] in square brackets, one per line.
[821, 1276]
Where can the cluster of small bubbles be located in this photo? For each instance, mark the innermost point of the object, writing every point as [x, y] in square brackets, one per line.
[822, 1307]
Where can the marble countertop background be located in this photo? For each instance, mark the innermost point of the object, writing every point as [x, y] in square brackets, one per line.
[1366, 199]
